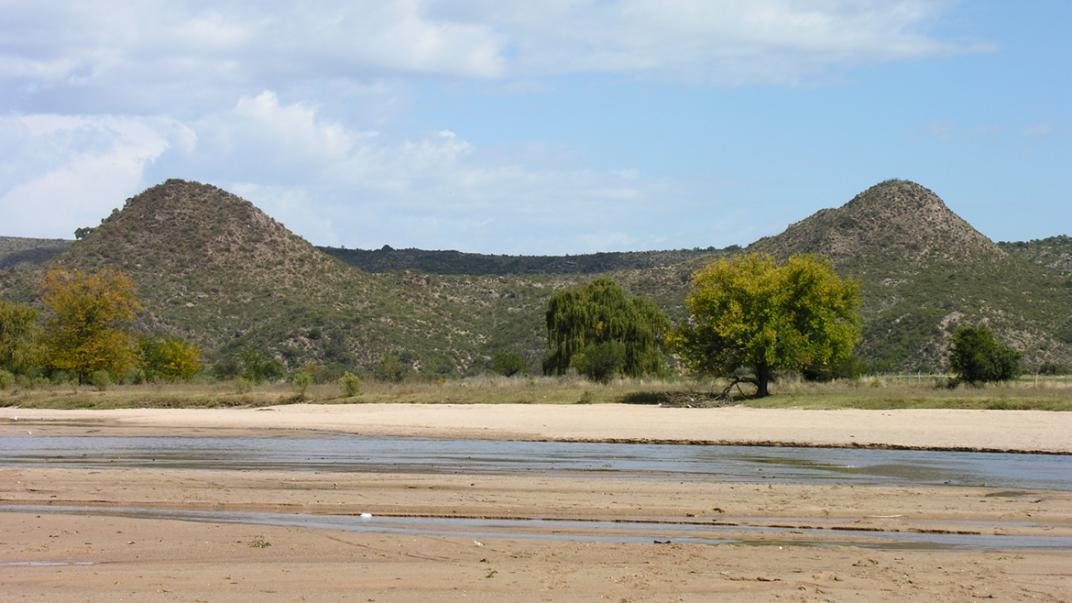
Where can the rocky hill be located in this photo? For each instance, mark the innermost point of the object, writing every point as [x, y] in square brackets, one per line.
[214, 269]
[1054, 253]
[211, 267]
[19, 251]
[924, 271]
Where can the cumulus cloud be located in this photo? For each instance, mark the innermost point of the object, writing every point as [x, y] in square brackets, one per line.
[193, 53]
[330, 183]
[61, 172]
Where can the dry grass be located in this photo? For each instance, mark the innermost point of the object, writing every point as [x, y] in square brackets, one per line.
[1052, 393]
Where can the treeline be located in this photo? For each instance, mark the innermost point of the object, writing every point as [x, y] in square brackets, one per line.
[749, 319]
[85, 336]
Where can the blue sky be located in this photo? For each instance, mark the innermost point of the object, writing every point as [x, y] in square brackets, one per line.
[539, 128]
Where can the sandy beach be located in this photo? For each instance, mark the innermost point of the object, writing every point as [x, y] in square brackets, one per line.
[1020, 431]
[794, 542]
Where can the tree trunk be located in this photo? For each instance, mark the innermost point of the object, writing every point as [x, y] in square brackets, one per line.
[763, 376]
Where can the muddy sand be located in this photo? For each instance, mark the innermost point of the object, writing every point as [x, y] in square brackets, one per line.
[820, 545]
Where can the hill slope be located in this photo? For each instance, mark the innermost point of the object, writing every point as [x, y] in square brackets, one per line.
[212, 268]
[19, 251]
[924, 270]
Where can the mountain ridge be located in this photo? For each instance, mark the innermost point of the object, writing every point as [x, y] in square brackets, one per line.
[213, 268]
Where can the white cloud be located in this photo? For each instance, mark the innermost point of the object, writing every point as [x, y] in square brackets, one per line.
[330, 183]
[61, 172]
[174, 55]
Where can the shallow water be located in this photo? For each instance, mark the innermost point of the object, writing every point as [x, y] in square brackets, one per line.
[637, 461]
[577, 531]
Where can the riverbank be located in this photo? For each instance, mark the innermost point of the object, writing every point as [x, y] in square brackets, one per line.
[934, 429]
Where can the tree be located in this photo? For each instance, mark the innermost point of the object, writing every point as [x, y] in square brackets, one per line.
[977, 357]
[750, 317]
[600, 362]
[391, 368]
[19, 337]
[600, 312]
[509, 364]
[90, 314]
[170, 358]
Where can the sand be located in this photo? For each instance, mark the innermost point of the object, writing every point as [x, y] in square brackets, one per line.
[1025, 431]
[59, 557]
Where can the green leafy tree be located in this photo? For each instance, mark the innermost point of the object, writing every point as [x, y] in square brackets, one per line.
[90, 317]
[301, 381]
[977, 357]
[598, 313]
[600, 362]
[509, 364]
[750, 317]
[170, 359]
[258, 368]
[20, 350]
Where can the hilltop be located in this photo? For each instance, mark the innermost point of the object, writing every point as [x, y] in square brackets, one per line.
[213, 268]
[924, 270]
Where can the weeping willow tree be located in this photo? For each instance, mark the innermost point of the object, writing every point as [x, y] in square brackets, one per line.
[581, 321]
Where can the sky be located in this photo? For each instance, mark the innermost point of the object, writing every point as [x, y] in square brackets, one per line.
[544, 127]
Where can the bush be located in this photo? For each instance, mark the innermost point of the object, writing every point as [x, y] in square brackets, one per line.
[7, 379]
[600, 362]
[509, 364]
[1051, 368]
[350, 384]
[101, 380]
[391, 368]
[243, 385]
[977, 357]
[301, 381]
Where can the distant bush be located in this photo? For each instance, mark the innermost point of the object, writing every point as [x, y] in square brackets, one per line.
[170, 359]
[977, 357]
[1052, 368]
[101, 380]
[391, 368]
[7, 379]
[600, 362]
[243, 385]
[301, 381]
[508, 364]
[350, 384]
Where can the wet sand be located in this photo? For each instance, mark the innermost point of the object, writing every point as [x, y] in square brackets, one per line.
[1019, 431]
[58, 557]
[159, 559]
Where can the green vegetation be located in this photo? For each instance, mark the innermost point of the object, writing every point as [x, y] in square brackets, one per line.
[350, 384]
[19, 338]
[751, 317]
[169, 359]
[877, 393]
[88, 330]
[509, 364]
[600, 332]
[976, 357]
[212, 269]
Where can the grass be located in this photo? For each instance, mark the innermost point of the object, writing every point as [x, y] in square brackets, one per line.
[870, 393]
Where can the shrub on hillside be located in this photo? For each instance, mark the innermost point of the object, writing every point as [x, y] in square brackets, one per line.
[350, 384]
[977, 357]
[509, 364]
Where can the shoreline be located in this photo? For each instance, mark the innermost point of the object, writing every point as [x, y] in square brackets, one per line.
[944, 430]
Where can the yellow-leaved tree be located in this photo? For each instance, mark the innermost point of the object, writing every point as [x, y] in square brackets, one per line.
[89, 320]
[749, 317]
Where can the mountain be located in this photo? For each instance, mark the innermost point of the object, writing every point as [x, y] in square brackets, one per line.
[387, 259]
[19, 251]
[923, 271]
[1054, 253]
[214, 269]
